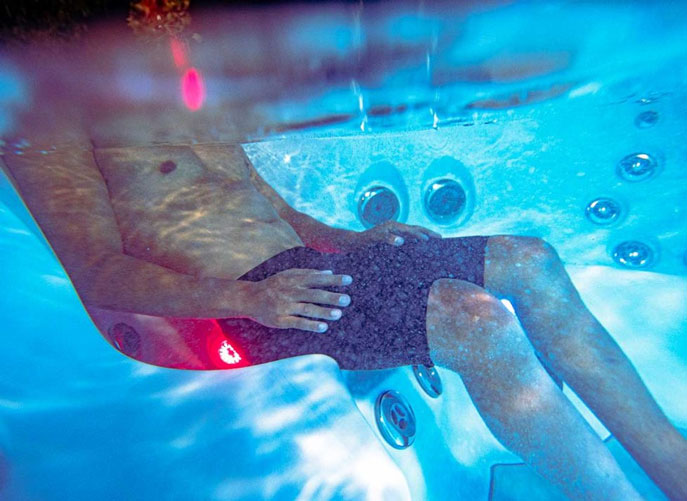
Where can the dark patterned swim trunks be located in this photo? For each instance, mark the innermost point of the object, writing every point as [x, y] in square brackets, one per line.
[385, 324]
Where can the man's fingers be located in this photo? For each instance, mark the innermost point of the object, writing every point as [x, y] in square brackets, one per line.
[419, 232]
[427, 231]
[323, 279]
[323, 297]
[305, 272]
[305, 277]
[314, 311]
[291, 322]
[415, 231]
[393, 239]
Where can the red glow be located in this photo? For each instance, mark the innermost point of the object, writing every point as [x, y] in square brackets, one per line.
[222, 351]
[179, 53]
[210, 346]
[193, 89]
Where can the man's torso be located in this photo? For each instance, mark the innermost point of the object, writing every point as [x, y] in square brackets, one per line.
[193, 208]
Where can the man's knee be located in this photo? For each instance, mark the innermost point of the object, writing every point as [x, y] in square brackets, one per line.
[524, 251]
[465, 307]
[466, 324]
[515, 264]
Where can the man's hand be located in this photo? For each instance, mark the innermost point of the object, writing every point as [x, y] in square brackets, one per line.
[391, 232]
[283, 299]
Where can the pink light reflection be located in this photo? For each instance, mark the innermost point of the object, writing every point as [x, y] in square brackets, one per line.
[193, 89]
[179, 53]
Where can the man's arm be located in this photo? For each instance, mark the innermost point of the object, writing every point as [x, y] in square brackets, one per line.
[69, 199]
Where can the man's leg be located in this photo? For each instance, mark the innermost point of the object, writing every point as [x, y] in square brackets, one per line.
[577, 348]
[470, 332]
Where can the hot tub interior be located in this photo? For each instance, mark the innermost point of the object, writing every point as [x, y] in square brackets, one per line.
[556, 120]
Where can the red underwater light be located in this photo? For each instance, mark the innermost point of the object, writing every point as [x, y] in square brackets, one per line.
[223, 353]
[193, 89]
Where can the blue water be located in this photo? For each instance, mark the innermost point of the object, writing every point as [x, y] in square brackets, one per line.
[78, 420]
